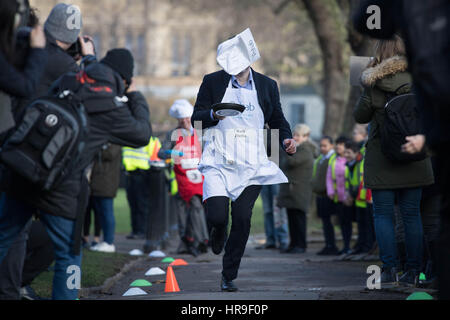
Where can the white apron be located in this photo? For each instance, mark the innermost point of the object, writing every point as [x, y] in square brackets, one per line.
[234, 155]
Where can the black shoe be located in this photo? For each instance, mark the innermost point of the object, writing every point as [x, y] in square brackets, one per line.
[328, 251]
[294, 250]
[389, 276]
[267, 246]
[298, 250]
[227, 285]
[218, 238]
[203, 247]
[410, 278]
[345, 251]
[193, 250]
[131, 236]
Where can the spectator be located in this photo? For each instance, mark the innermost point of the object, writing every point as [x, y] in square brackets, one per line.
[274, 233]
[359, 135]
[87, 227]
[336, 190]
[325, 206]
[137, 166]
[355, 163]
[296, 195]
[428, 51]
[60, 209]
[105, 179]
[388, 180]
[16, 83]
[183, 145]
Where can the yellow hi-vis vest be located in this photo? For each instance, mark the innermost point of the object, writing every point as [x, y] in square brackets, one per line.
[173, 183]
[139, 158]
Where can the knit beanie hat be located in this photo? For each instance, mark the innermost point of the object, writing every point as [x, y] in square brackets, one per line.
[121, 61]
[64, 23]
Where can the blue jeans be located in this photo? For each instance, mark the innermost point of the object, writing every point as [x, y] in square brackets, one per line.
[383, 211]
[13, 218]
[268, 192]
[105, 209]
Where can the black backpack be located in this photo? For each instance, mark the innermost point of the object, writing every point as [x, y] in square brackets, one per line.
[48, 141]
[401, 119]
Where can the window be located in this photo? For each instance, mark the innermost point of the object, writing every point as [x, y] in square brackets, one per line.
[181, 55]
[141, 55]
[297, 114]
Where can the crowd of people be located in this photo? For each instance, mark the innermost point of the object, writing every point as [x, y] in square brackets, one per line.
[70, 121]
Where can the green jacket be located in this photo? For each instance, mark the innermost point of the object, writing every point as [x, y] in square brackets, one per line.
[298, 168]
[380, 172]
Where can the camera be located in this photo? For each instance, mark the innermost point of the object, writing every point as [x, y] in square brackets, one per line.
[75, 49]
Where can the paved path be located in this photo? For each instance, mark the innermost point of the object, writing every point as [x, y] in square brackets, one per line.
[263, 275]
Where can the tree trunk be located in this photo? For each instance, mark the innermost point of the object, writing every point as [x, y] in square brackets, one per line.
[361, 46]
[324, 15]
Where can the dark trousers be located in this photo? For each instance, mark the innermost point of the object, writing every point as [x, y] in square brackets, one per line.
[325, 209]
[217, 211]
[192, 221]
[138, 199]
[366, 231]
[12, 265]
[88, 220]
[443, 180]
[297, 228]
[345, 215]
[40, 253]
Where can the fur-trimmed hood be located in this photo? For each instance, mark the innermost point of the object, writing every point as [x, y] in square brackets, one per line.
[388, 67]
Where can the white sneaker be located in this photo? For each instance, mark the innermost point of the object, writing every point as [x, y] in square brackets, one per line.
[104, 247]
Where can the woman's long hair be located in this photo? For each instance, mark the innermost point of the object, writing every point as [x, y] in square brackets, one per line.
[8, 10]
[385, 49]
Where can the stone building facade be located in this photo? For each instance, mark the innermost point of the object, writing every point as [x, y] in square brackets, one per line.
[170, 43]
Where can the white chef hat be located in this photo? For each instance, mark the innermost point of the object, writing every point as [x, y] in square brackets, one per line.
[181, 109]
[238, 53]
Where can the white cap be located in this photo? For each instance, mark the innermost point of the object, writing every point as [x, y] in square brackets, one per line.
[181, 109]
[238, 53]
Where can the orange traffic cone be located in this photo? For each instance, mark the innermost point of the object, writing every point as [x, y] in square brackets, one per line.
[171, 281]
[178, 262]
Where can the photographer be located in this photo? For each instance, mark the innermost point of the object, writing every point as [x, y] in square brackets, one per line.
[15, 83]
[59, 39]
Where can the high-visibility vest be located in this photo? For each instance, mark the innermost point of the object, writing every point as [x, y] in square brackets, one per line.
[173, 183]
[353, 180]
[364, 194]
[139, 158]
[316, 163]
[332, 163]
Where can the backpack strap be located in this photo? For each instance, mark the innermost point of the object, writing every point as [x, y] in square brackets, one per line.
[401, 87]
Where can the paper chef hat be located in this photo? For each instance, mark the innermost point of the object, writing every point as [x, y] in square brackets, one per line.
[181, 109]
[238, 53]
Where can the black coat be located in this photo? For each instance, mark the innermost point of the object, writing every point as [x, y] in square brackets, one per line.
[105, 176]
[19, 84]
[213, 89]
[125, 125]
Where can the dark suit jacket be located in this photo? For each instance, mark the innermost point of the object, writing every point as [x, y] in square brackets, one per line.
[213, 89]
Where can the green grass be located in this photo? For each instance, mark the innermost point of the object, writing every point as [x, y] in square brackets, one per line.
[122, 215]
[96, 268]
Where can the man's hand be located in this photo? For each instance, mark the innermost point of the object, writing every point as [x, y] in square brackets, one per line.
[290, 146]
[37, 38]
[87, 46]
[415, 144]
[132, 87]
